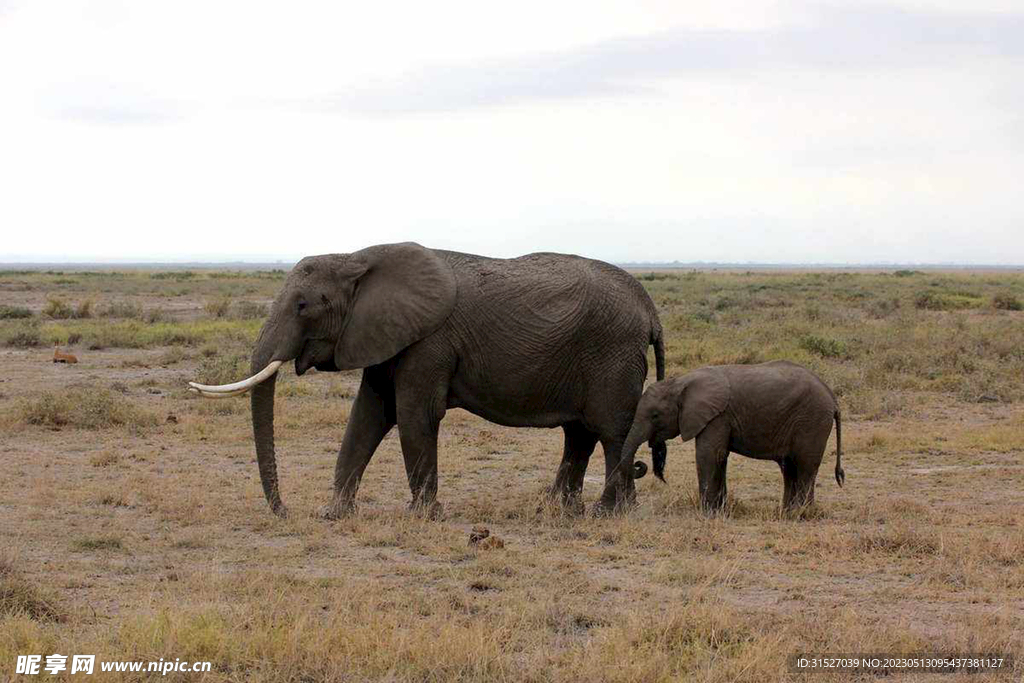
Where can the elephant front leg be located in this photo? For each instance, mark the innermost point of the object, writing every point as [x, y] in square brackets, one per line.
[419, 450]
[712, 458]
[371, 418]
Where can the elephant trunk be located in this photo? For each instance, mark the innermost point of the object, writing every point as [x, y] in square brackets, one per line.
[639, 433]
[262, 403]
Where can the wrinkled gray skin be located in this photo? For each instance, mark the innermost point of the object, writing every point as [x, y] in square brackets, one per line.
[543, 340]
[772, 411]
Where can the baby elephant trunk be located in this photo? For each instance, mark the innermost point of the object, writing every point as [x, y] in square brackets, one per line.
[637, 435]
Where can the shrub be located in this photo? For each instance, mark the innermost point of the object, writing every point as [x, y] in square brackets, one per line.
[250, 310]
[122, 309]
[23, 336]
[84, 309]
[907, 273]
[222, 369]
[1005, 301]
[938, 301]
[86, 409]
[651, 277]
[179, 275]
[14, 312]
[218, 308]
[823, 346]
[57, 309]
[155, 315]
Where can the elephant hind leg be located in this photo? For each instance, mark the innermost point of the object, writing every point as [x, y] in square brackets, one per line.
[802, 462]
[619, 492]
[578, 447]
[798, 476]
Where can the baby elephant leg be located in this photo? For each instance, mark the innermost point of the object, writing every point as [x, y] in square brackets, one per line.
[800, 468]
[798, 476]
[712, 458]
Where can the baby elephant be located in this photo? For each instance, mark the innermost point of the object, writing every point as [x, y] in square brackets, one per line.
[772, 411]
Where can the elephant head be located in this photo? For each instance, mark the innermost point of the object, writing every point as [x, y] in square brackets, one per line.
[340, 312]
[680, 406]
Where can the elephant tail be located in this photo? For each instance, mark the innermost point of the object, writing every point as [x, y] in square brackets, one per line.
[840, 474]
[657, 338]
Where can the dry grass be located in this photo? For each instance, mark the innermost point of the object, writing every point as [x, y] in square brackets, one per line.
[138, 523]
[86, 409]
[20, 599]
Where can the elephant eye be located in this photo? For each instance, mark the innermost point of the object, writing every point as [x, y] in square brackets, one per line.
[301, 306]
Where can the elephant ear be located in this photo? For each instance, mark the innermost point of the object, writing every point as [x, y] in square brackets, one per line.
[705, 397]
[403, 293]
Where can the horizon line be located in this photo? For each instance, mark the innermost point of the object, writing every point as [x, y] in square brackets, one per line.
[288, 263]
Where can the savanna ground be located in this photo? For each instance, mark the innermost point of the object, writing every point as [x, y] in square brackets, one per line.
[133, 526]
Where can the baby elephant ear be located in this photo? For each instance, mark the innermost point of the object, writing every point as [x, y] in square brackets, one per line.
[705, 397]
[404, 294]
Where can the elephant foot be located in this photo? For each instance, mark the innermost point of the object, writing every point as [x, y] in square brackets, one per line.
[622, 506]
[335, 510]
[574, 507]
[427, 510]
[280, 510]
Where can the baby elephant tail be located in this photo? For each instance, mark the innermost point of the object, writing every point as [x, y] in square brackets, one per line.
[658, 339]
[840, 474]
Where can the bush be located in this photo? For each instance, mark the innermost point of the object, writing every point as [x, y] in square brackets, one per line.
[250, 310]
[222, 369]
[218, 308]
[651, 277]
[822, 346]
[23, 336]
[1005, 301]
[155, 315]
[14, 312]
[938, 301]
[178, 275]
[86, 409]
[122, 309]
[57, 309]
[907, 273]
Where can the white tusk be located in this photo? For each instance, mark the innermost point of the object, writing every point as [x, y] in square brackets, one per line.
[223, 394]
[224, 390]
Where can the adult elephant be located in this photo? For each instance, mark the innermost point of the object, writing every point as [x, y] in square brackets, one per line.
[542, 340]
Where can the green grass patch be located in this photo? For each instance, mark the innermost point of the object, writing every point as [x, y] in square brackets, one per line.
[14, 313]
[1005, 301]
[97, 543]
[823, 346]
[946, 301]
[130, 334]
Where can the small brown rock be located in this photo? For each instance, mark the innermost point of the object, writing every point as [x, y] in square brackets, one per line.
[172, 419]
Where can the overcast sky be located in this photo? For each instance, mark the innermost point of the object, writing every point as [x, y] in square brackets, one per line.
[836, 132]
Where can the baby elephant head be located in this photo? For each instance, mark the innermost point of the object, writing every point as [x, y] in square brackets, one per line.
[682, 407]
